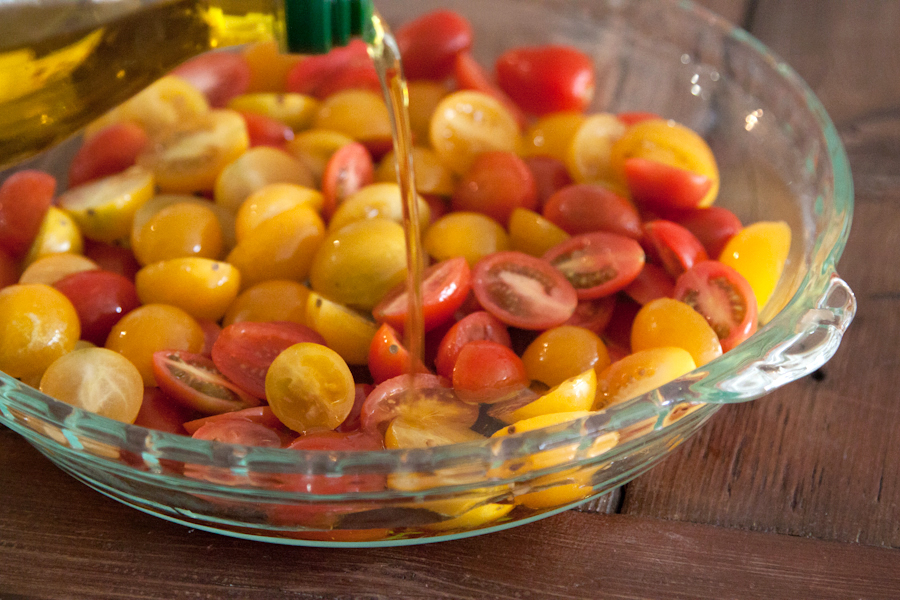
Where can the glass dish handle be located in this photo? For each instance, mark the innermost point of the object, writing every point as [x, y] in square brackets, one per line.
[817, 336]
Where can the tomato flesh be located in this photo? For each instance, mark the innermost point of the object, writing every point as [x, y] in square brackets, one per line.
[597, 264]
[194, 381]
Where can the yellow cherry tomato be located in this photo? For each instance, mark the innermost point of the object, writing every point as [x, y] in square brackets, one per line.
[270, 200]
[268, 66]
[255, 169]
[406, 433]
[58, 234]
[315, 147]
[376, 201]
[641, 372]
[473, 518]
[357, 113]
[759, 253]
[563, 352]
[551, 135]
[273, 300]
[432, 177]
[52, 268]
[532, 234]
[667, 322]
[424, 96]
[588, 157]
[346, 331]
[151, 208]
[97, 380]
[557, 490]
[467, 234]
[201, 287]
[38, 324]
[180, 230]
[572, 395]
[294, 110]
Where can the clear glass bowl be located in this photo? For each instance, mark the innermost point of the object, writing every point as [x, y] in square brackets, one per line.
[780, 158]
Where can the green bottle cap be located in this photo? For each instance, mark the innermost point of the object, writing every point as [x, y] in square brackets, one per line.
[316, 26]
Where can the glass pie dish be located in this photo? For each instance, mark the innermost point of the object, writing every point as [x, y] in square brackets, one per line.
[780, 158]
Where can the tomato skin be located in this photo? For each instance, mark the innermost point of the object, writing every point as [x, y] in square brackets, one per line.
[257, 414]
[713, 226]
[723, 296]
[598, 264]
[100, 298]
[352, 423]
[160, 412]
[486, 372]
[653, 282]
[112, 258]
[193, 381]
[324, 74]
[635, 116]
[676, 248]
[236, 431]
[9, 269]
[429, 44]
[433, 398]
[479, 325]
[266, 131]
[550, 175]
[655, 185]
[111, 150]
[445, 286]
[586, 207]
[220, 76]
[495, 184]
[547, 79]
[25, 197]
[594, 314]
[388, 358]
[523, 291]
[470, 75]
[244, 351]
[348, 170]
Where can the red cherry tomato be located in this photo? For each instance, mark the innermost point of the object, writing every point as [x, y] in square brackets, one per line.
[723, 296]
[111, 150]
[594, 314]
[342, 68]
[388, 357]
[429, 44]
[112, 258]
[523, 291]
[653, 282]
[713, 226]
[244, 351]
[266, 131]
[257, 414]
[100, 298]
[496, 184]
[25, 197]
[348, 170]
[658, 186]
[470, 75]
[632, 117]
[550, 176]
[437, 204]
[618, 333]
[479, 325]
[418, 397]
[676, 248]
[445, 286]
[236, 431]
[487, 372]
[161, 413]
[597, 264]
[351, 423]
[211, 332]
[194, 381]
[9, 269]
[220, 76]
[547, 79]
[585, 208]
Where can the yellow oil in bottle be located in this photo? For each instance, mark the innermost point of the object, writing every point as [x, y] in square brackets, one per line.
[63, 62]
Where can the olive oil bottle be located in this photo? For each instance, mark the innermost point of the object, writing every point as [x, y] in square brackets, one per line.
[65, 62]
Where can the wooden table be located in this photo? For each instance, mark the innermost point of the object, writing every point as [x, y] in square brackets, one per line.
[794, 495]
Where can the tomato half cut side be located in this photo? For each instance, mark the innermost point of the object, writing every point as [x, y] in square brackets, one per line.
[479, 325]
[418, 397]
[258, 414]
[724, 297]
[445, 286]
[597, 264]
[524, 291]
[194, 381]
[348, 170]
[676, 248]
[594, 314]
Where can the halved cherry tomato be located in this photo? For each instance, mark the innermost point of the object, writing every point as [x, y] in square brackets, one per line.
[322, 75]
[235, 431]
[351, 423]
[100, 298]
[550, 176]
[713, 226]
[470, 75]
[594, 314]
[220, 76]
[676, 248]
[496, 183]
[244, 351]
[160, 412]
[587, 207]
[25, 198]
[266, 131]
[597, 264]
[653, 282]
[445, 286]
[546, 79]
[388, 357]
[618, 333]
[658, 186]
[723, 296]
[193, 381]
[479, 325]
[256, 414]
[418, 397]
[111, 150]
[524, 291]
[429, 44]
[112, 258]
[348, 170]
[487, 372]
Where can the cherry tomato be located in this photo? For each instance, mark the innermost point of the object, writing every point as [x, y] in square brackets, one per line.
[564, 352]
[445, 286]
[479, 325]
[524, 291]
[586, 207]
[219, 76]
[658, 186]
[546, 79]
[193, 381]
[597, 264]
[348, 170]
[676, 248]
[266, 131]
[713, 226]
[594, 314]
[636, 116]
[321, 75]
[467, 234]
[9, 269]
[237, 431]
[113, 258]
[486, 372]
[388, 358]
[470, 75]
[641, 372]
[532, 234]
[257, 414]
[723, 296]
[668, 322]
[429, 44]
[496, 183]
[351, 423]
[550, 176]
[110, 150]
[417, 397]
[651, 283]
[25, 197]
[759, 252]
[100, 298]
[161, 413]
[244, 351]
